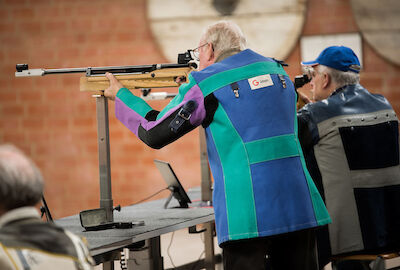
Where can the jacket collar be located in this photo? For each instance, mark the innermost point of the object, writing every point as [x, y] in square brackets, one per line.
[18, 214]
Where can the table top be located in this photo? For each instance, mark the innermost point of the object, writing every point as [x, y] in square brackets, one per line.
[157, 221]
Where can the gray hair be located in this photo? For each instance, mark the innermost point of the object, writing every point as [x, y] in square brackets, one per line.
[225, 36]
[21, 183]
[340, 78]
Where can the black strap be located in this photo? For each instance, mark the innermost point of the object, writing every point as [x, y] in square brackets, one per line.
[183, 115]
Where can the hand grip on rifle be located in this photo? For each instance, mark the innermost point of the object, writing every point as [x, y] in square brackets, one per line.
[115, 85]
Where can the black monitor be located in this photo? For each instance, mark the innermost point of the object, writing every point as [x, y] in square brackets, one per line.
[173, 183]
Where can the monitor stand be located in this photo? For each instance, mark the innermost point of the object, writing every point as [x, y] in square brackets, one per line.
[174, 190]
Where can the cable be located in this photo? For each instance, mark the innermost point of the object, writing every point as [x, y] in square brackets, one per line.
[145, 199]
[201, 254]
[198, 260]
[169, 246]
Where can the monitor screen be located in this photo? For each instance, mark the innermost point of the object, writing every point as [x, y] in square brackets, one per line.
[173, 183]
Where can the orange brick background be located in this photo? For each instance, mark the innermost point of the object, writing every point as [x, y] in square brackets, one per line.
[55, 124]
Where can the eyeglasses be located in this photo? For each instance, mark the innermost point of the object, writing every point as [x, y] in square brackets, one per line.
[312, 72]
[196, 52]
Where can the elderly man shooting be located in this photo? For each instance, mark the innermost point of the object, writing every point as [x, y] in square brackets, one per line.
[265, 203]
[351, 145]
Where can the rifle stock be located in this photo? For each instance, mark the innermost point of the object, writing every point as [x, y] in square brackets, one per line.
[156, 79]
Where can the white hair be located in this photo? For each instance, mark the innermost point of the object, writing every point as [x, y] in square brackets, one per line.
[224, 36]
[340, 78]
[21, 183]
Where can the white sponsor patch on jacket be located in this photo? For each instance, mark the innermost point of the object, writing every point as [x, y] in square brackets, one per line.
[260, 82]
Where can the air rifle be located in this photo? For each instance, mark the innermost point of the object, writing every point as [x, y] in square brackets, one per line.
[132, 77]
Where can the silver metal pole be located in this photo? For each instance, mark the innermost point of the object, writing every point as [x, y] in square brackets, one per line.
[106, 200]
[206, 196]
[209, 258]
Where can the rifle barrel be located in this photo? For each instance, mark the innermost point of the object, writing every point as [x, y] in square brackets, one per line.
[64, 70]
[23, 71]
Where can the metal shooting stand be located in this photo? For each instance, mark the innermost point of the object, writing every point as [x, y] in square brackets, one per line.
[103, 218]
[106, 201]
[103, 138]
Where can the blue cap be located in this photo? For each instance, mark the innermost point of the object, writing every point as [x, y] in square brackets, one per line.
[337, 57]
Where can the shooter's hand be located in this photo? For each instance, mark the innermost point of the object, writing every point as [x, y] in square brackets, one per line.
[180, 80]
[114, 87]
[302, 100]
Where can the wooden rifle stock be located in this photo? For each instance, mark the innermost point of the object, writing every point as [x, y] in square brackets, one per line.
[165, 77]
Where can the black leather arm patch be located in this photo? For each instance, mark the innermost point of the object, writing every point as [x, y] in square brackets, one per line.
[183, 115]
[161, 135]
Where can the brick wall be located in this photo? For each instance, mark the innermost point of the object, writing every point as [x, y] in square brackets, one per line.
[56, 124]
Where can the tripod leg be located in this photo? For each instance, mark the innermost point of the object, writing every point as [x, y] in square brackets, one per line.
[45, 209]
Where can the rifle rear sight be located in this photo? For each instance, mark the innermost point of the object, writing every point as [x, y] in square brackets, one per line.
[186, 57]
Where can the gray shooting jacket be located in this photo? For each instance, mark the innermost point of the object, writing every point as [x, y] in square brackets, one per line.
[351, 146]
